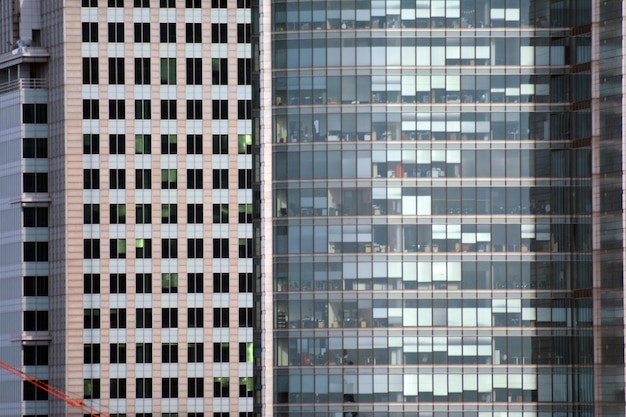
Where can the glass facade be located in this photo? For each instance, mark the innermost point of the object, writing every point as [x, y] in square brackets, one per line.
[431, 208]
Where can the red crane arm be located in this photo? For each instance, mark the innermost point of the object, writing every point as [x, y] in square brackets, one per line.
[62, 395]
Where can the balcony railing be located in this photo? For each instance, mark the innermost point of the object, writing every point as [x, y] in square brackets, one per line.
[23, 83]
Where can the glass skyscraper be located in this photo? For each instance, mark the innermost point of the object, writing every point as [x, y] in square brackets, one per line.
[429, 243]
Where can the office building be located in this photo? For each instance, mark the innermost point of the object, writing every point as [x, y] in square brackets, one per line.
[126, 205]
[415, 204]
[437, 170]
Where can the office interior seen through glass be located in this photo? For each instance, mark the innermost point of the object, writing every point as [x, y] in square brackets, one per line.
[431, 207]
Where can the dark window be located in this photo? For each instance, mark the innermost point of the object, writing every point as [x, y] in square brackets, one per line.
[90, 71]
[89, 3]
[194, 109]
[169, 179]
[246, 316]
[91, 248]
[195, 249]
[243, 4]
[169, 283]
[246, 352]
[169, 318]
[91, 283]
[169, 213]
[195, 4]
[168, 109]
[91, 319]
[117, 213]
[170, 388]
[118, 352]
[219, 4]
[143, 179]
[195, 317]
[117, 248]
[168, 71]
[168, 144]
[91, 143]
[143, 283]
[142, 33]
[115, 3]
[141, 3]
[245, 282]
[220, 317]
[244, 179]
[195, 282]
[244, 109]
[219, 33]
[219, 71]
[37, 112]
[169, 352]
[195, 387]
[167, 3]
[38, 216]
[91, 353]
[117, 388]
[221, 352]
[143, 213]
[167, 32]
[221, 282]
[35, 182]
[91, 213]
[90, 31]
[117, 179]
[193, 32]
[194, 179]
[143, 144]
[194, 213]
[221, 387]
[117, 109]
[220, 144]
[143, 248]
[143, 110]
[35, 147]
[117, 283]
[35, 285]
[143, 386]
[244, 32]
[34, 393]
[117, 144]
[220, 179]
[142, 71]
[35, 251]
[91, 388]
[194, 144]
[245, 248]
[220, 109]
[116, 70]
[169, 248]
[220, 248]
[35, 321]
[118, 318]
[195, 352]
[116, 32]
[245, 213]
[144, 321]
[220, 213]
[91, 109]
[244, 71]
